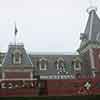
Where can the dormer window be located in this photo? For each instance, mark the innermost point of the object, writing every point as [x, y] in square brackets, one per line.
[77, 64]
[17, 57]
[60, 65]
[43, 64]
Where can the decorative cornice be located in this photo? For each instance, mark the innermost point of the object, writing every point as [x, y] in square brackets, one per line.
[88, 44]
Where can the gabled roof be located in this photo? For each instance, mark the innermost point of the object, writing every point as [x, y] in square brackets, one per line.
[8, 56]
[92, 30]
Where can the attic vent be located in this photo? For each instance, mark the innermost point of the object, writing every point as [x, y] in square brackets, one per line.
[17, 57]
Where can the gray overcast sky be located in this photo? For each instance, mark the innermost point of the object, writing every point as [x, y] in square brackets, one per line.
[43, 25]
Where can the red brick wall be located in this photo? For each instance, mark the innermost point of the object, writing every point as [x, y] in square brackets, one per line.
[72, 87]
[54, 87]
[19, 91]
[17, 75]
[97, 57]
[62, 87]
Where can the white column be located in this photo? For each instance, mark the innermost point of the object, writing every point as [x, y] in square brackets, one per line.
[74, 66]
[31, 75]
[90, 50]
[92, 61]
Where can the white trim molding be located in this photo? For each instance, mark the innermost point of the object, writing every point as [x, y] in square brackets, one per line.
[44, 61]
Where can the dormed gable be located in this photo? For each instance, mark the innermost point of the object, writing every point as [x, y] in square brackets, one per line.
[17, 55]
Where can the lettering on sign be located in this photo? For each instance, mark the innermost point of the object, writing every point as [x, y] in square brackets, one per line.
[17, 84]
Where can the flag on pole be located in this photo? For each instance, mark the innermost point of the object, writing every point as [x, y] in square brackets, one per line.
[15, 30]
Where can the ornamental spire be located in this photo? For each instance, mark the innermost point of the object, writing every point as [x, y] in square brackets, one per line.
[92, 6]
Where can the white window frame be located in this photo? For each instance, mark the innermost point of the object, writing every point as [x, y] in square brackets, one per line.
[57, 65]
[45, 65]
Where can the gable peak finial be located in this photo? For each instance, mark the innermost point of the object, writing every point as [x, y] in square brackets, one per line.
[92, 6]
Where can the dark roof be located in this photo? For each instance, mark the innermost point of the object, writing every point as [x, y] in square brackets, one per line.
[33, 59]
[52, 70]
[8, 56]
[92, 30]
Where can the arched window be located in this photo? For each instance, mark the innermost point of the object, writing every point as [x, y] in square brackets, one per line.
[77, 64]
[43, 64]
[60, 65]
[17, 57]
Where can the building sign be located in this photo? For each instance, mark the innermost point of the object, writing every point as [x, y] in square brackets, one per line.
[17, 84]
[57, 77]
[87, 85]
